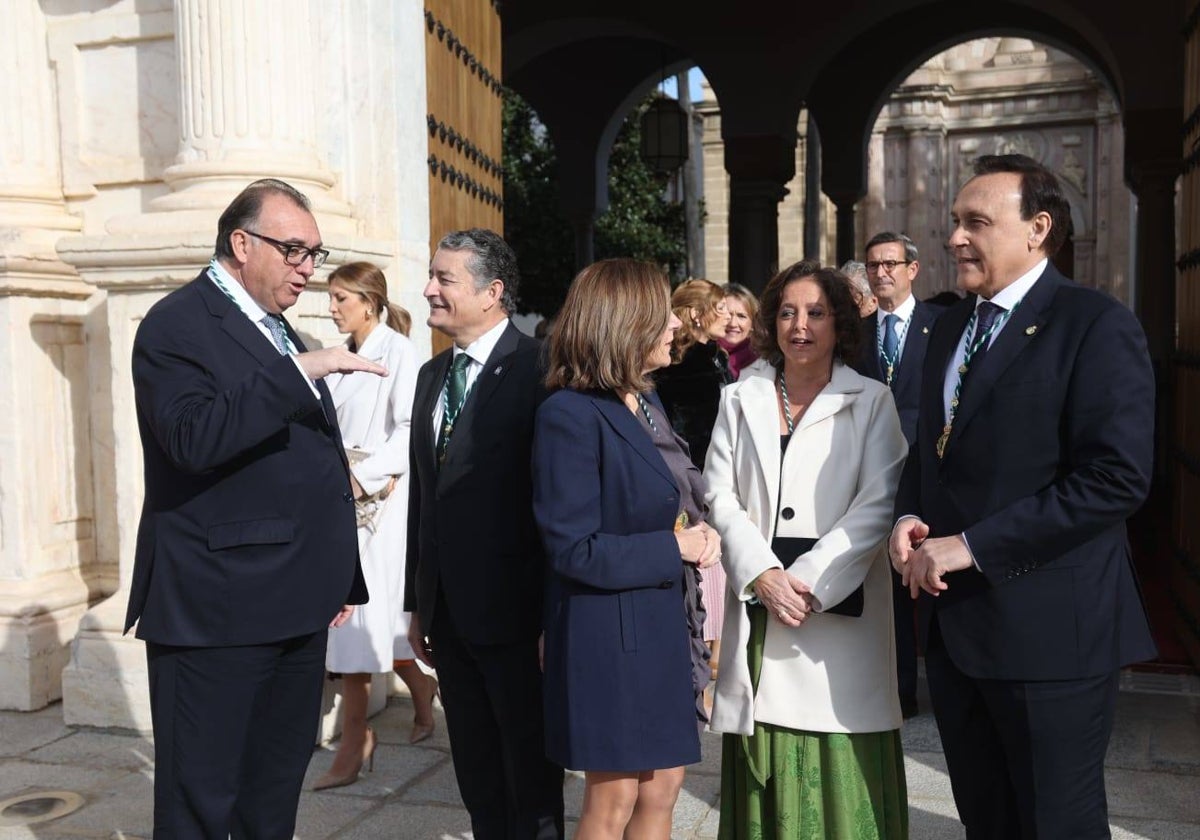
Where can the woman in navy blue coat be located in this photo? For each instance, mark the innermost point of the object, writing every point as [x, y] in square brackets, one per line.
[620, 508]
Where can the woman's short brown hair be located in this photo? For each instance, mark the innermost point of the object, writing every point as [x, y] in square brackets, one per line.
[615, 312]
[835, 285]
[701, 295]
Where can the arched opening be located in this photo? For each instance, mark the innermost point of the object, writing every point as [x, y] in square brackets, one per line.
[997, 95]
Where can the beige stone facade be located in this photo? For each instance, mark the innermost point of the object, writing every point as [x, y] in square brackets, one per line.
[128, 127]
[986, 96]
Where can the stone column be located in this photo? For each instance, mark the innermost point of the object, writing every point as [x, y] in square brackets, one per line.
[249, 93]
[758, 167]
[874, 205]
[46, 512]
[32, 212]
[248, 96]
[845, 201]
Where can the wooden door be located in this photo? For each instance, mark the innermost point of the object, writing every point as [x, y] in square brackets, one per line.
[463, 95]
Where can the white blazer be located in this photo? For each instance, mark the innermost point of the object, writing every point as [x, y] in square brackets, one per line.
[375, 414]
[833, 673]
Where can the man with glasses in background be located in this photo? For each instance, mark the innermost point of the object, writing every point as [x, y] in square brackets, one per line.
[893, 352]
[247, 549]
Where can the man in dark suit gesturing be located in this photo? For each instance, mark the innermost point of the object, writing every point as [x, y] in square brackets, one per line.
[1034, 445]
[894, 338]
[475, 571]
[246, 549]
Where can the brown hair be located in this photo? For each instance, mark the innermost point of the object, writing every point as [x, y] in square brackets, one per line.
[615, 312]
[837, 289]
[367, 281]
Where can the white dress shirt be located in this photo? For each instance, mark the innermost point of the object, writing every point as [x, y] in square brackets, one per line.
[904, 312]
[250, 308]
[1006, 299]
[479, 350]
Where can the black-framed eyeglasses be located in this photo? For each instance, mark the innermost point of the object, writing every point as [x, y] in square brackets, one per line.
[293, 254]
[887, 265]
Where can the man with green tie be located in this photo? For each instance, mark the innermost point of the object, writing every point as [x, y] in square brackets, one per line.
[475, 568]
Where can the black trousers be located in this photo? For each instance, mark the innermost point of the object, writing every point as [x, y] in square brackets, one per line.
[492, 695]
[1026, 759]
[234, 729]
[904, 611]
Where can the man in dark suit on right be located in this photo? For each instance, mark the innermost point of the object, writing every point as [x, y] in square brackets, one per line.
[894, 338]
[476, 567]
[1034, 445]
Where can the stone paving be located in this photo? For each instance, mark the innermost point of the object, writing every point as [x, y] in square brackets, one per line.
[1153, 780]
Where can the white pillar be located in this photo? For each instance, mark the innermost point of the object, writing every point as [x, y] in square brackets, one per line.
[46, 510]
[248, 96]
[258, 95]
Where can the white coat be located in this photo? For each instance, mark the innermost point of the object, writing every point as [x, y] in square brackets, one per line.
[833, 673]
[375, 415]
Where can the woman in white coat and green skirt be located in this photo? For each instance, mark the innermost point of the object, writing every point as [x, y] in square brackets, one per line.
[802, 473]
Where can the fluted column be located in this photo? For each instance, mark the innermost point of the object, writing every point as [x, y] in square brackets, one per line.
[32, 212]
[248, 95]
[46, 510]
[265, 90]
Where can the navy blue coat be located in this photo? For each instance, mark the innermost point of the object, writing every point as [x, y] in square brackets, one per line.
[618, 686]
[906, 383]
[247, 533]
[1050, 453]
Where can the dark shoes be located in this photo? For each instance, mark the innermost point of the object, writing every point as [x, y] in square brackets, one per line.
[908, 706]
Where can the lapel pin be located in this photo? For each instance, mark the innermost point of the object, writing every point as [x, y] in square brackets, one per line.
[497, 371]
[1031, 330]
[925, 330]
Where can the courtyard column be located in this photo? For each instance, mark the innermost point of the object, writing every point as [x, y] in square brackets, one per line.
[758, 167]
[248, 109]
[846, 234]
[46, 510]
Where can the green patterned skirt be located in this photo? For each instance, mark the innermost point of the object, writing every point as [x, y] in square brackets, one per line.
[795, 785]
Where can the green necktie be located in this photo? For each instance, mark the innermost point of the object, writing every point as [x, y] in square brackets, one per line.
[456, 395]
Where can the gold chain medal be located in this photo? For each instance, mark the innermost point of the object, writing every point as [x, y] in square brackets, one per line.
[941, 441]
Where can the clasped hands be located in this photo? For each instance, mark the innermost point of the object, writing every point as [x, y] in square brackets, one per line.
[699, 545]
[786, 598]
[922, 561]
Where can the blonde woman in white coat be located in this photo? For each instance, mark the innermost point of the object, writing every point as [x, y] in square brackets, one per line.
[802, 473]
[374, 414]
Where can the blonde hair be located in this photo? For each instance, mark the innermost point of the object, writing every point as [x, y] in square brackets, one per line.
[704, 297]
[367, 281]
[615, 312]
[747, 298]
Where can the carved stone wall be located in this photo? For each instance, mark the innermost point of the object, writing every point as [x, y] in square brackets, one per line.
[986, 96]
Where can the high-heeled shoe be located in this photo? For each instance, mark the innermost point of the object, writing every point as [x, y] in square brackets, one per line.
[422, 731]
[329, 780]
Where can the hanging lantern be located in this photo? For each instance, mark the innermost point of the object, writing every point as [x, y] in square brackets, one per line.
[664, 135]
